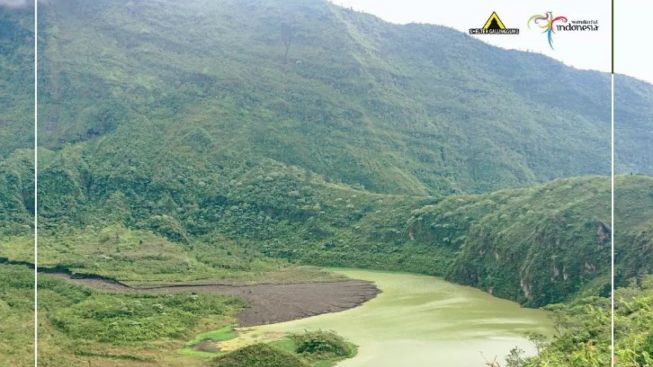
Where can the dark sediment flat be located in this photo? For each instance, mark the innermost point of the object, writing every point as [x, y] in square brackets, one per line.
[267, 303]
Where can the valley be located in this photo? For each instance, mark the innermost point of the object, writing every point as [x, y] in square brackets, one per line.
[420, 321]
[201, 163]
[266, 302]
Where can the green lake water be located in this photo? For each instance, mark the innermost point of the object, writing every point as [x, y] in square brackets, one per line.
[421, 321]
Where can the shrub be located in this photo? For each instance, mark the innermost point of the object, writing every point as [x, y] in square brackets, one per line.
[322, 344]
[258, 355]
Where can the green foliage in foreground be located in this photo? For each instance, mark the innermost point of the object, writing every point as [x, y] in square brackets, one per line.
[77, 324]
[583, 338]
[16, 315]
[125, 318]
[84, 314]
[259, 355]
[634, 324]
[312, 348]
[322, 345]
[583, 332]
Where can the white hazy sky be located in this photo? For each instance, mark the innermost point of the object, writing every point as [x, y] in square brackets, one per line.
[584, 50]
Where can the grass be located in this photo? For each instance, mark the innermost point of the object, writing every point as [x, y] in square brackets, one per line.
[437, 123]
[226, 333]
[16, 315]
[223, 334]
[143, 258]
[372, 145]
[78, 325]
[258, 355]
[313, 348]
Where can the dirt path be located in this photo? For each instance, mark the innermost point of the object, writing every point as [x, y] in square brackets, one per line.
[268, 303]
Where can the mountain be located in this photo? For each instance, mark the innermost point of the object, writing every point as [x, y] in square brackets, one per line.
[414, 109]
[16, 80]
[302, 130]
[538, 245]
[633, 125]
[233, 139]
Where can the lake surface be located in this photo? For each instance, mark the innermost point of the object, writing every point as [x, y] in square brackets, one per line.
[420, 321]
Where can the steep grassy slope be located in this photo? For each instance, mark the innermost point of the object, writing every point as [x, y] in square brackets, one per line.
[633, 125]
[399, 109]
[282, 124]
[188, 140]
[634, 227]
[16, 182]
[79, 326]
[16, 79]
[145, 126]
[536, 245]
[16, 119]
[583, 338]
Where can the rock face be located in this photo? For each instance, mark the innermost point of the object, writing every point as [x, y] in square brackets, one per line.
[602, 233]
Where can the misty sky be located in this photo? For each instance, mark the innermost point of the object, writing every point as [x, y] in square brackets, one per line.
[584, 50]
[13, 3]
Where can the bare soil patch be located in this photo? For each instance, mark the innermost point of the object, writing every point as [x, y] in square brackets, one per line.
[267, 303]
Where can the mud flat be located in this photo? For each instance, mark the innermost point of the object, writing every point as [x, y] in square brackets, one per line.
[418, 321]
[267, 303]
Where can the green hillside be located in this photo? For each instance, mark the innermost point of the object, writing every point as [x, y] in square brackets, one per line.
[396, 109]
[537, 245]
[304, 131]
[16, 120]
[238, 139]
[16, 79]
[16, 183]
[633, 125]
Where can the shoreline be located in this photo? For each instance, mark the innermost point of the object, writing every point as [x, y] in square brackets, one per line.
[267, 303]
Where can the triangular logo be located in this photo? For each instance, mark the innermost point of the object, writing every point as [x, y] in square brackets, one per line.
[494, 22]
[493, 25]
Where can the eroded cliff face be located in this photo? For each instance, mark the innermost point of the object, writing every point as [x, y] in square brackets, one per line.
[538, 245]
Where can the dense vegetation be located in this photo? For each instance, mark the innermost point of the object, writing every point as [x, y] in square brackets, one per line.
[16, 81]
[79, 325]
[16, 182]
[16, 120]
[583, 332]
[321, 345]
[143, 138]
[312, 348]
[634, 324]
[583, 338]
[400, 109]
[259, 355]
[16, 315]
[223, 139]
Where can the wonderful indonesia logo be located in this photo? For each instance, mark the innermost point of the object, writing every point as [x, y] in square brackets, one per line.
[551, 25]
